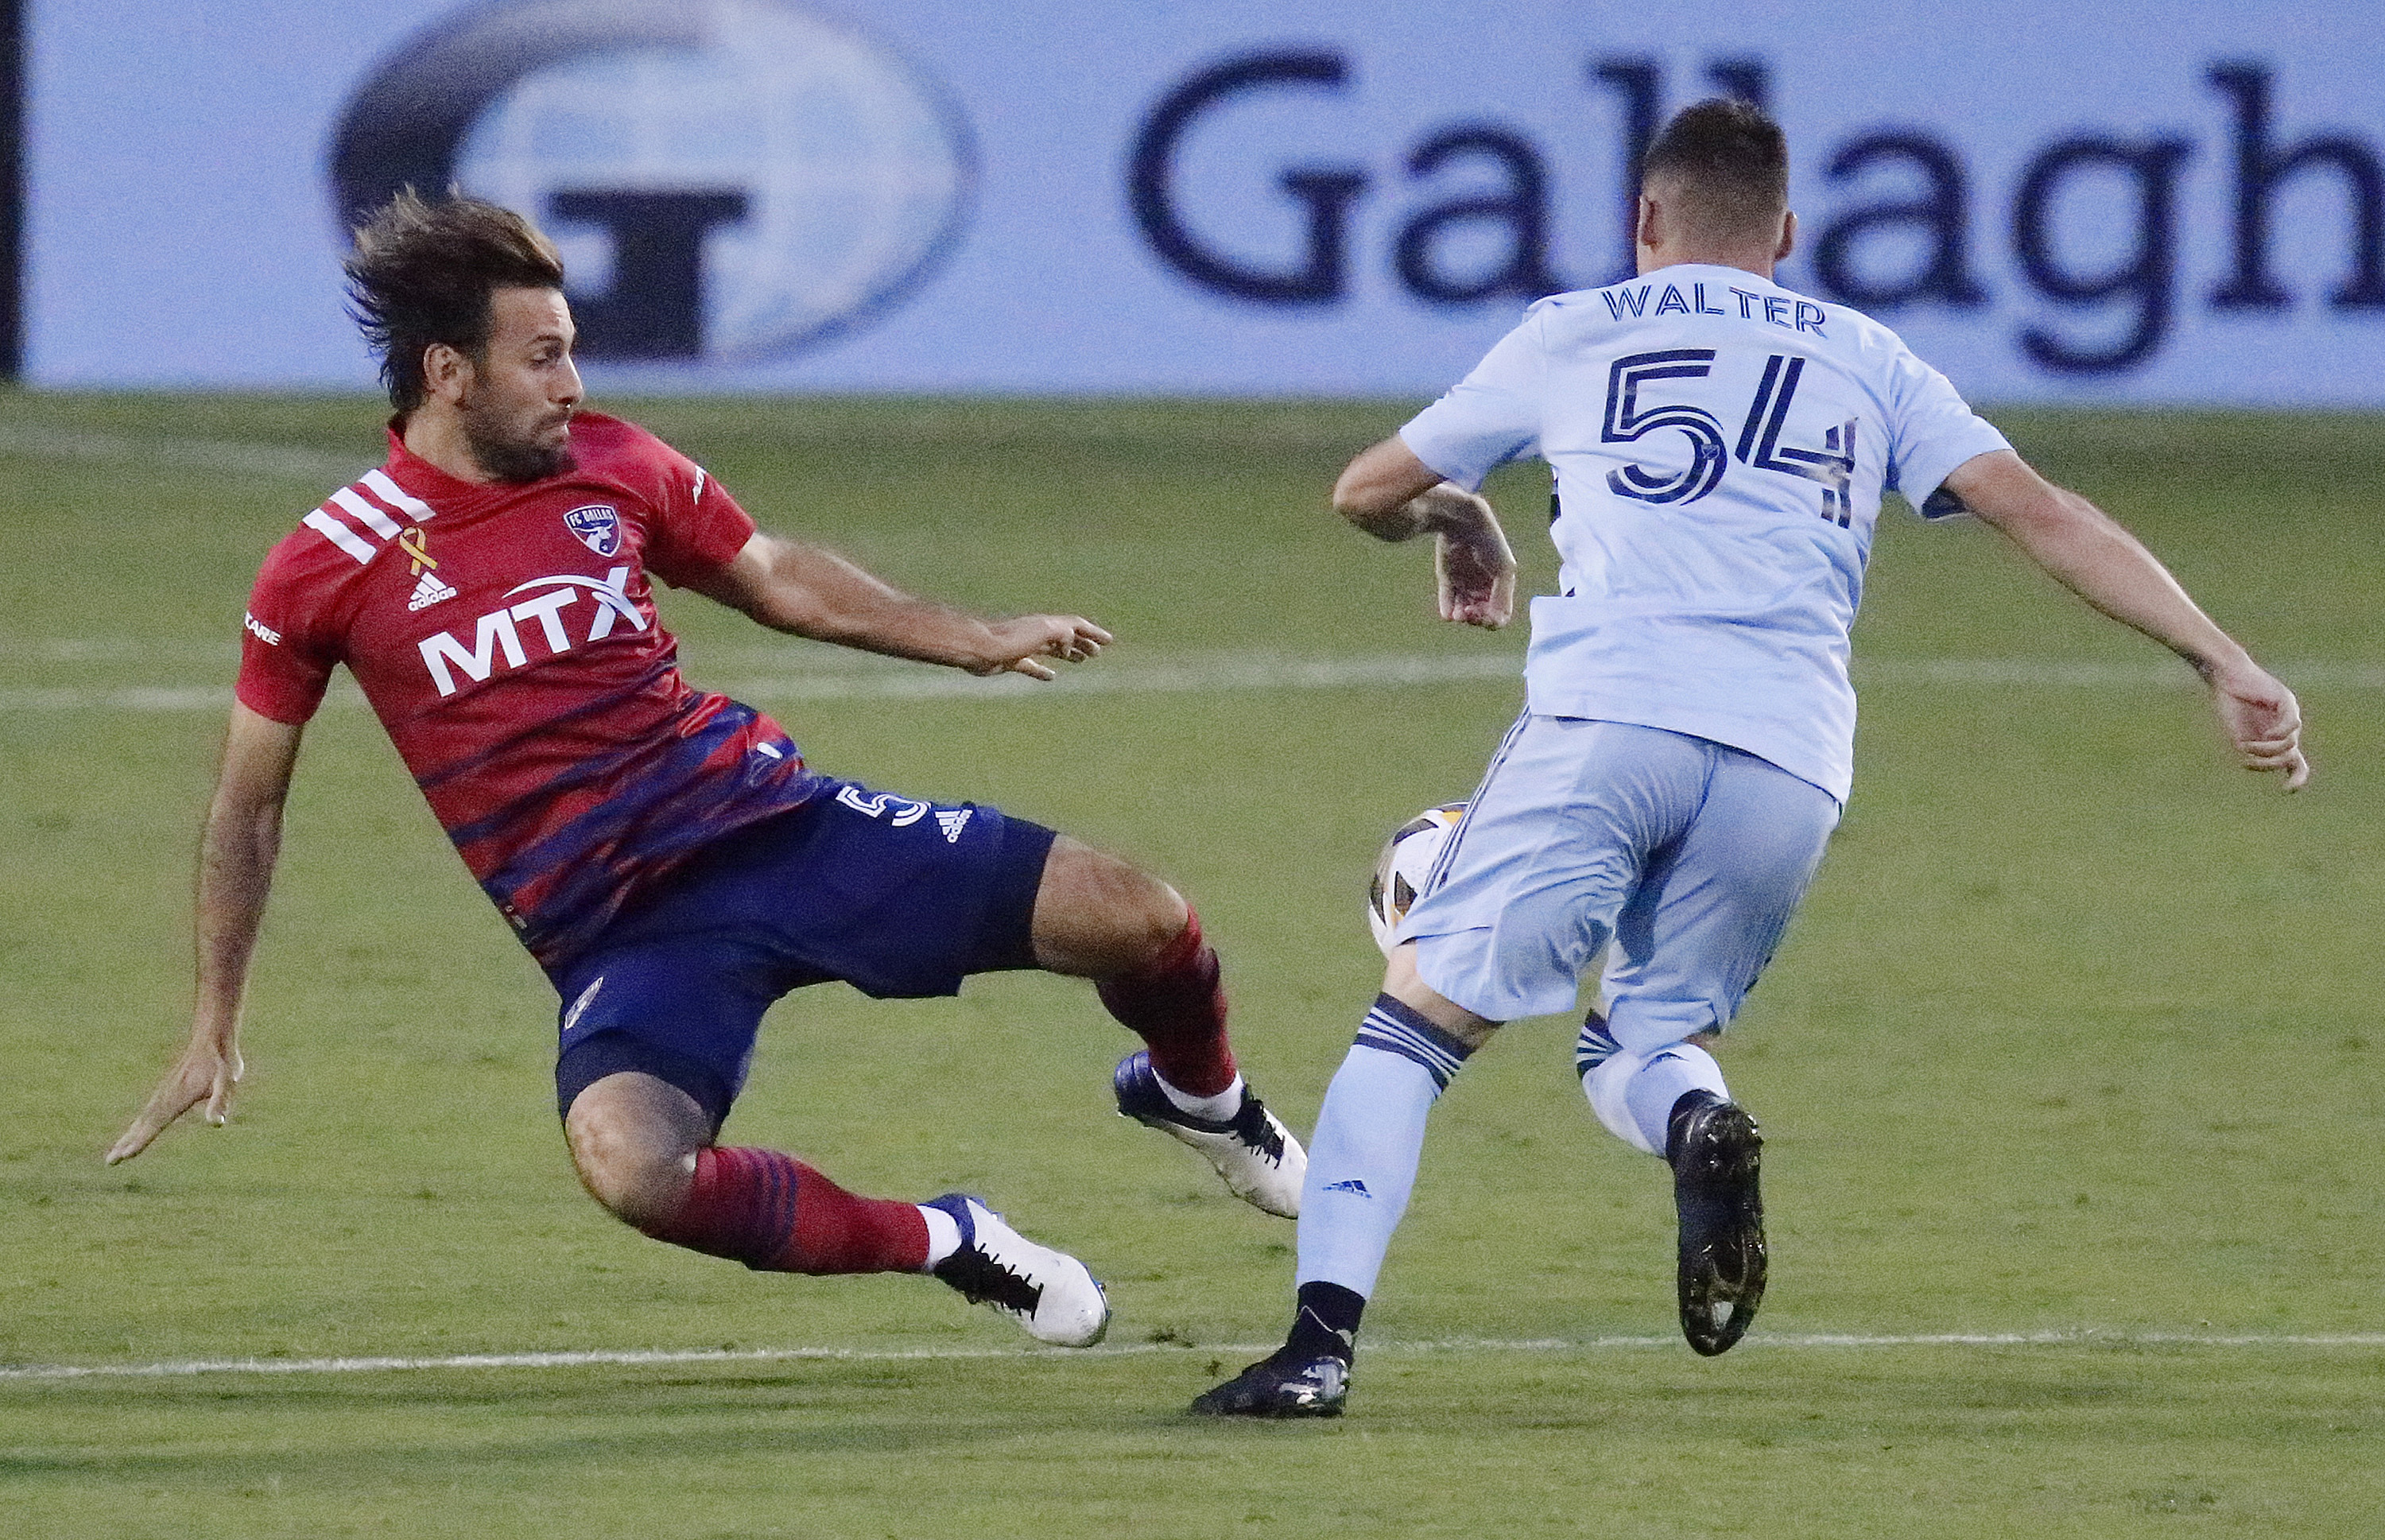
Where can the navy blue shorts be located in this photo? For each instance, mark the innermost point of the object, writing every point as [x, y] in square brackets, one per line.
[896, 897]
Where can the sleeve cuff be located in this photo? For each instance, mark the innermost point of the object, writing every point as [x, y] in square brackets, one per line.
[1438, 460]
[291, 707]
[1921, 482]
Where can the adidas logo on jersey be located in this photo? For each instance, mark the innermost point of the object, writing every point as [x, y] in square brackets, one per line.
[428, 592]
[952, 820]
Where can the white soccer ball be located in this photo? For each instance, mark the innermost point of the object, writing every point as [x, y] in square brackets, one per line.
[1400, 869]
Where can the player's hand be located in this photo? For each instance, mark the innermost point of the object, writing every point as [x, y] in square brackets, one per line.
[207, 1073]
[2264, 721]
[1474, 569]
[1020, 645]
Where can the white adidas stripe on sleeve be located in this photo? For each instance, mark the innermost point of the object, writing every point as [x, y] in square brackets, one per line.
[396, 496]
[373, 519]
[339, 534]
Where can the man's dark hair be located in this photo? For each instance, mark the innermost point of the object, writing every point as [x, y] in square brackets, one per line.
[1731, 162]
[422, 272]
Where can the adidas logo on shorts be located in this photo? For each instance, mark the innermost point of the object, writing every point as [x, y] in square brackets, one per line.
[952, 820]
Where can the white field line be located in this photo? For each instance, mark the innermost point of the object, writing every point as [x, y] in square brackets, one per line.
[1221, 672]
[1207, 674]
[230, 456]
[139, 699]
[633, 1358]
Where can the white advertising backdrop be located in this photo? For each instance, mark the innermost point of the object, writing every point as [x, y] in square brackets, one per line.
[2124, 204]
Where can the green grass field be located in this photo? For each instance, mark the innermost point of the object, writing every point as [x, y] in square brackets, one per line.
[2075, 1044]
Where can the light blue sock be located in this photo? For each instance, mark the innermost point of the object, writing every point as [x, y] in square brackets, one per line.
[1669, 1074]
[1362, 1159]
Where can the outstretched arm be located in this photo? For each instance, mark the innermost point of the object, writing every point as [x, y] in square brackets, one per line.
[806, 591]
[237, 850]
[1394, 495]
[2104, 564]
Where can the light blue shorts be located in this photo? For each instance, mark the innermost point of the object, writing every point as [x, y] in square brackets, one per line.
[1689, 855]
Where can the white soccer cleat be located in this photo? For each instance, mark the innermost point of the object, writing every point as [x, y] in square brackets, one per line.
[1050, 1293]
[1261, 1162]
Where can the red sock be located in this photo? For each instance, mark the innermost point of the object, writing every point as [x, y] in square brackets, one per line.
[1177, 1007]
[775, 1214]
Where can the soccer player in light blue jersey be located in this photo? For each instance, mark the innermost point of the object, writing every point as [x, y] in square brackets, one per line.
[1720, 446]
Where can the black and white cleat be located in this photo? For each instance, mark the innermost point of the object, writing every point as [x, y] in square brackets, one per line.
[1716, 1155]
[1261, 1162]
[1050, 1293]
[1280, 1386]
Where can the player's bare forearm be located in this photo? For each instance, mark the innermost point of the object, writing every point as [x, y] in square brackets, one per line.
[238, 846]
[238, 851]
[806, 591]
[1393, 495]
[2089, 552]
[817, 594]
[2082, 548]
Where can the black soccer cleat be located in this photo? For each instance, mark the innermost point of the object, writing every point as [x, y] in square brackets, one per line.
[1282, 1385]
[1716, 1151]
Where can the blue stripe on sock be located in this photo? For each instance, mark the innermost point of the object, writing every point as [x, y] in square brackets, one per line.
[1392, 1028]
[1596, 1045]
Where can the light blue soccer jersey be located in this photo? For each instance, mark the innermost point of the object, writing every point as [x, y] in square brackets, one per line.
[1720, 446]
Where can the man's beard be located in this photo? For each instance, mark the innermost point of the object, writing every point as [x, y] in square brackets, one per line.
[507, 459]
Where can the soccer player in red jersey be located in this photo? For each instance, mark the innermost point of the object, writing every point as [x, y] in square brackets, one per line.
[666, 855]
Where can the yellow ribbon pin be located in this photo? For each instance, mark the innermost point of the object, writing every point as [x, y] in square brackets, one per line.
[414, 543]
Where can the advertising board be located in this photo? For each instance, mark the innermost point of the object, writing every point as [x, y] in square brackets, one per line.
[2125, 204]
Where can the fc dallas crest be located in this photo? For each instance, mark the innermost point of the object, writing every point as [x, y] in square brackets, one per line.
[597, 525]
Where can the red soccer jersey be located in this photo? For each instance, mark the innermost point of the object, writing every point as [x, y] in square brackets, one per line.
[506, 637]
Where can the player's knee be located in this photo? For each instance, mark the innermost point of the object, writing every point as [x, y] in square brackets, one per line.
[1159, 921]
[638, 1166]
[1403, 983]
[643, 1185]
[1142, 927]
[1100, 917]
